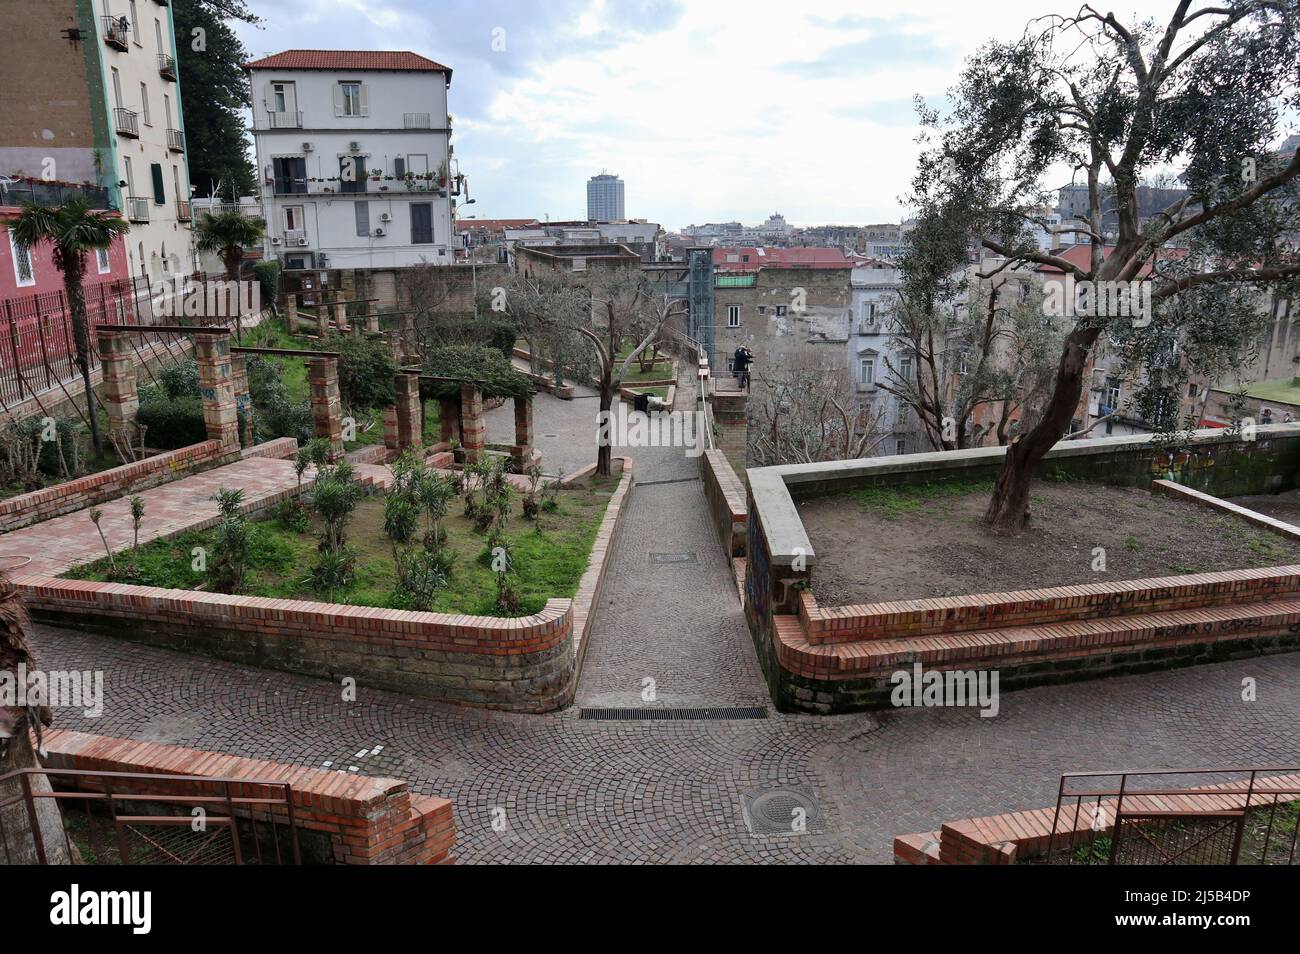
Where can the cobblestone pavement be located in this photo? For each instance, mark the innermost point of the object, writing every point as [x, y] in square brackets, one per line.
[57, 544]
[636, 792]
[564, 431]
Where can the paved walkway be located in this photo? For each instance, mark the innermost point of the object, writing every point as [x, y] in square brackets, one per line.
[58, 544]
[636, 792]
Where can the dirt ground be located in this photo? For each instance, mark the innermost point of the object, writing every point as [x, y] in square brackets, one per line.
[873, 544]
[1283, 506]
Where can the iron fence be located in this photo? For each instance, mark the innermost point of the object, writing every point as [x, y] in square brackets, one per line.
[146, 818]
[1183, 817]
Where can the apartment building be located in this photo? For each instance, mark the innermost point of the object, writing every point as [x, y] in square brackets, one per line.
[878, 355]
[355, 158]
[605, 198]
[103, 109]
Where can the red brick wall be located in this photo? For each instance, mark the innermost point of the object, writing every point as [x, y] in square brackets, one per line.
[26, 509]
[370, 821]
[523, 664]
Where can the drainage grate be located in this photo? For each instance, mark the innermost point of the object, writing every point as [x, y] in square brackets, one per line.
[703, 714]
[791, 810]
[659, 559]
[673, 480]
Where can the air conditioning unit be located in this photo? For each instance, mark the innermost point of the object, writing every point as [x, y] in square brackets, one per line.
[354, 146]
[385, 217]
[308, 146]
[276, 240]
[302, 242]
[379, 233]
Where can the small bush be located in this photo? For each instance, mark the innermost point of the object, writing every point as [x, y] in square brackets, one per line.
[171, 422]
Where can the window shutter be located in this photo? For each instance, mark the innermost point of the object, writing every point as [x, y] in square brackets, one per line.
[338, 99]
[363, 95]
[399, 167]
[159, 196]
[363, 218]
[268, 97]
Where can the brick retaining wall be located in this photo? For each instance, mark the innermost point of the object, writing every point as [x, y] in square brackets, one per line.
[368, 821]
[26, 509]
[726, 496]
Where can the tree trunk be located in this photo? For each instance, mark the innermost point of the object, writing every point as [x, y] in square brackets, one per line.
[233, 257]
[604, 448]
[1008, 510]
[81, 338]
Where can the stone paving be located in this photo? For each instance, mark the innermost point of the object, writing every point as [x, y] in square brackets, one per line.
[58, 544]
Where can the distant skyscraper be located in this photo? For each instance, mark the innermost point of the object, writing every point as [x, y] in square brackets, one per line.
[605, 198]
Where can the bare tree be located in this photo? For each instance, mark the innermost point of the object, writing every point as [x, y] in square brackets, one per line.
[804, 415]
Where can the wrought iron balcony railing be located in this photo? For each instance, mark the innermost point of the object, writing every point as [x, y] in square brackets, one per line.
[175, 140]
[166, 66]
[137, 208]
[117, 32]
[126, 122]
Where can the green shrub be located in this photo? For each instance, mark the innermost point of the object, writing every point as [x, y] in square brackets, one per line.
[180, 380]
[171, 422]
[366, 370]
[267, 274]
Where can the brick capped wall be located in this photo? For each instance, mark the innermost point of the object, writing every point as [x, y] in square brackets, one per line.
[26, 509]
[726, 496]
[368, 821]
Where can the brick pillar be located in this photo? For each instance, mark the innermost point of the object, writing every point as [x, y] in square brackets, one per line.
[291, 312]
[243, 400]
[410, 420]
[449, 419]
[323, 320]
[121, 398]
[217, 388]
[372, 323]
[390, 426]
[340, 315]
[523, 447]
[326, 405]
[729, 413]
[473, 430]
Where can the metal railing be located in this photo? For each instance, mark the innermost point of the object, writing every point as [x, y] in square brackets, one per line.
[126, 122]
[175, 140]
[184, 212]
[137, 208]
[146, 818]
[291, 119]
[1234, 816]
[166, 66]
[417, 120]
[20, 191]
[296, 238]
[117, 32]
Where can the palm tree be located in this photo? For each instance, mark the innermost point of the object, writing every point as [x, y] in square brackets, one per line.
[74, 229]
[227, 234]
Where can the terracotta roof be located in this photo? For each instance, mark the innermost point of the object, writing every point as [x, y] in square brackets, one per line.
[491, 225]
[778, 258]
[1081, 256]
[348, 60]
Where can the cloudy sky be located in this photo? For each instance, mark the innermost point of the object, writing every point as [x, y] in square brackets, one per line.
[710, 110]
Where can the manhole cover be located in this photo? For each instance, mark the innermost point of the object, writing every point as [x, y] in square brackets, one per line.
[657, 559]
[791, 810]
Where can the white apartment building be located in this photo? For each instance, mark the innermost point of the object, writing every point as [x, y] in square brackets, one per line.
[136, 46]
[355, 160]
[874, 349]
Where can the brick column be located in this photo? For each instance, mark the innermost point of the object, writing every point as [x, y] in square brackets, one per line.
[372, 324]
[410, 420]
[326, 405]
[340, 315]
[390, 426]
[323, 320]
[121, 398]
[473, 430]
[217, 388]
[291, 312]
[448, 419]
[243, 400]
[523, 447]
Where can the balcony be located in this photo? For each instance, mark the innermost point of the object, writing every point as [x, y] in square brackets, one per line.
[166, 67]
[23, 189]
[117, 32]
[417, 120]
[183, 212]
[295, 238]
[291, 119]
[126, 122]
[137, 208]
[175, 140]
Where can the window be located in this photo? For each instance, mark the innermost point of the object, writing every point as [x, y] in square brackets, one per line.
[290, 175]
[961, 363]
[867, 372]
[733, 316]
[417, 164]
[167, 110]
[900, 447]
[135, 24]
[1112, 396]
[350, 99]
[130, 176]
[905, 368]
[352, 174]
[117, 87]
[363, 218]
[422, 224]
[292, 218]
[157, 34]
[101, 261]
[144, 105]
[24, 269]
[779, 310]
[399, 167]
[762, 309]
[1191, 390]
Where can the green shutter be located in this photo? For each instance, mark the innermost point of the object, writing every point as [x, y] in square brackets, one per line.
[159, 196]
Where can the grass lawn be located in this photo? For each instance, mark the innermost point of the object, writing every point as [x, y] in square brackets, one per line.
[547, 564]
[1282, 391]
[660, 391]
